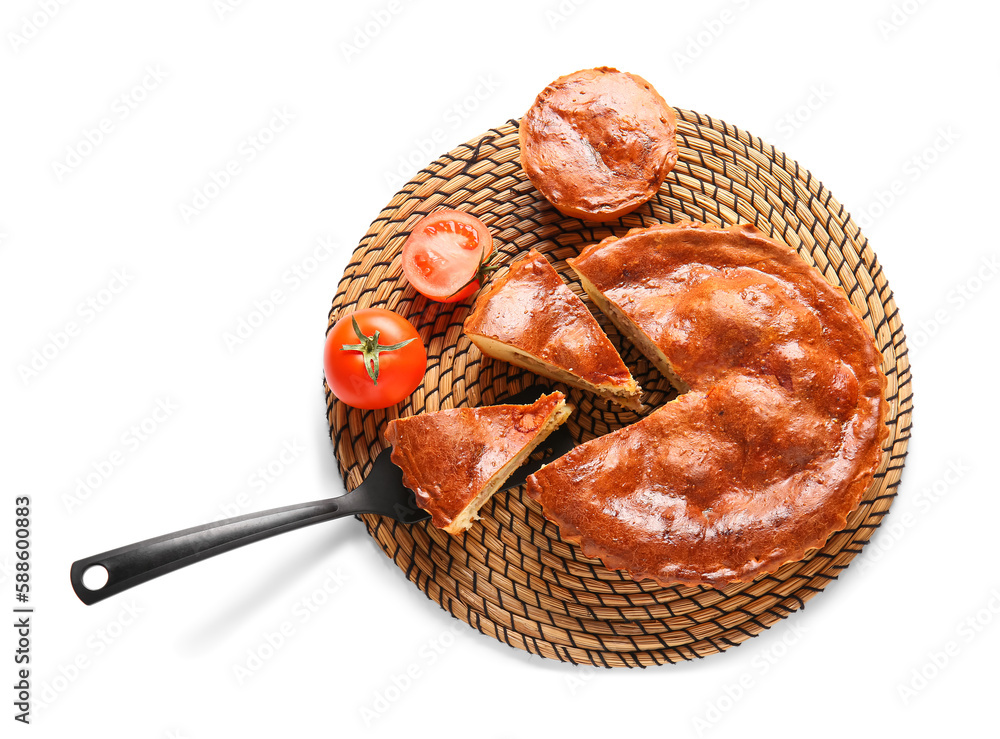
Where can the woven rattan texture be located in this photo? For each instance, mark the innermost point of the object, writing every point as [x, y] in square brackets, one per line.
[510, 576]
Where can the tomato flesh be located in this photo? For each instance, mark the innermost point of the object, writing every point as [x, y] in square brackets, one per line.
[443, 254]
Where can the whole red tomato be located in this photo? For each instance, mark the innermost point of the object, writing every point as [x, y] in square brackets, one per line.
[373, 358]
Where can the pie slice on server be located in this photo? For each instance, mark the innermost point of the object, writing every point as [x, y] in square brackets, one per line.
[454, 460]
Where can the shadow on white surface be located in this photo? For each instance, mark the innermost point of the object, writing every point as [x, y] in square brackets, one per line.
[236, 608]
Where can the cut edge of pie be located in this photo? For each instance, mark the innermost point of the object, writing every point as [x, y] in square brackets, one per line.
[622, 389]
[631, 331]
[627, 396]
[853, 488]
[471, 512]
[424, 485]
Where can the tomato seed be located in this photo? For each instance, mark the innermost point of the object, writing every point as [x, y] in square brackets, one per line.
[423, 264]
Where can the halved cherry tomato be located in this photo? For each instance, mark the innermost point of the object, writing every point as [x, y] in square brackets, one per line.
[445, 255]
[373, 358]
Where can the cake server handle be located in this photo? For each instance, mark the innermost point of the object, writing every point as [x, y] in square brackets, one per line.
[143, 561]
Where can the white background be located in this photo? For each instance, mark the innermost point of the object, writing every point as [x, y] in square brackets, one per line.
[893, 105]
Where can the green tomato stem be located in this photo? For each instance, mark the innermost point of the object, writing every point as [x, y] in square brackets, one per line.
[371, 349]
[482, 272]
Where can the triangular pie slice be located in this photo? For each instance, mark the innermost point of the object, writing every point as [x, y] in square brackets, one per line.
[530, 318]
[454, 460]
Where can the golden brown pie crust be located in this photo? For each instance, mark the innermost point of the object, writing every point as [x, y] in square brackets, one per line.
[531, 309]
[778, 438]
[448, 457]
[598, 143]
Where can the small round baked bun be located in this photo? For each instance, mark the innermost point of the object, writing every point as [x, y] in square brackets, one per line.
[598, 143]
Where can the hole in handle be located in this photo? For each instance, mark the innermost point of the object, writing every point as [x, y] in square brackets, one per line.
[95, 577]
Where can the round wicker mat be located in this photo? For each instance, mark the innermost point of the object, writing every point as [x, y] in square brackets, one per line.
[510, 576]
